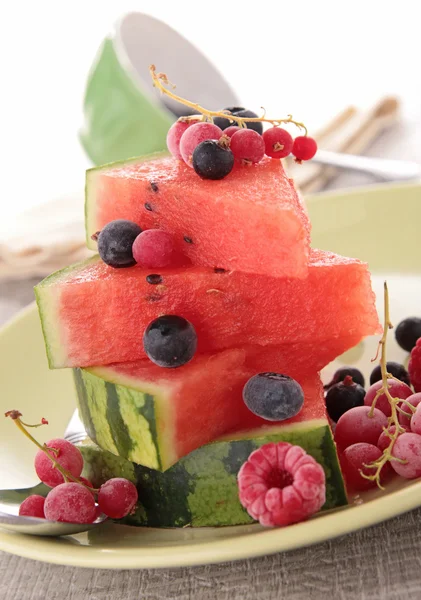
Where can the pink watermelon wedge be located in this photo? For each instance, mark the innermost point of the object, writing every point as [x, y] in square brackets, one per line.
[252, 221]
[155, 416]
[94, 315]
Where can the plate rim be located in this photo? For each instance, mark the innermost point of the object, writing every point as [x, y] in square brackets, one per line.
[324, 527]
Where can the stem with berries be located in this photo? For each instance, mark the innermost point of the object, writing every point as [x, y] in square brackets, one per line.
[393, 420]
[15, 415]
[160, 80]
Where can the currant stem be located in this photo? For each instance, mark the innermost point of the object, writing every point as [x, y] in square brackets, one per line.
[66, 474]
[393, 420]
[160, 80]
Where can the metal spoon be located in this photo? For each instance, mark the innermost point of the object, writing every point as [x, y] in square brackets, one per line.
[381, 168]
[10, 500]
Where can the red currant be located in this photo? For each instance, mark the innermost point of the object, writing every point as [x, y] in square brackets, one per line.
[247, 145]
[154, 249]
[117, 497]
[70, 503]
[32, 506]
[194, 135]
[304, 148]
[357, 426]
[229, 131]
[67, 455]
[278, 142]
[352, 462]
[397, 389]
[174, 135]
[408, 448]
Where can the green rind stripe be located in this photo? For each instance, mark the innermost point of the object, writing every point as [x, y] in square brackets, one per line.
[201, 489]
[118, 427]
[84, 413]
[120, 419]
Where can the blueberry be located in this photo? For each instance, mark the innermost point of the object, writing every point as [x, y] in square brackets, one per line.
[273, 396]
[170, 341]
[343, 396]
[394, 369]
[407, 333]
[224, 123]
[340, 375]
[212, 161]
[240, 111]
[115, 243]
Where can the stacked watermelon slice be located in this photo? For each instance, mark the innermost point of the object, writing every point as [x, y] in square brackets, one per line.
[259, 299]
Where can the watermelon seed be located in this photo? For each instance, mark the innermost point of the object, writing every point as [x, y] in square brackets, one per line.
[94, 236]
[188, 240]
[154, 186]
[214, 291]
[219, 270]
[148, 207]
[154, 279]
[153, 298]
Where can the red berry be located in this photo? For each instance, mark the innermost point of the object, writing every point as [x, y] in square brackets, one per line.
[248, 145]
[397, 389]
[155, 249]
[353, 460]
[356, 426]
[405, 421]
[407, 447]
[67, 455]
[174, 135]
[414, 367]
[70, 503]
[416, 420]
[384, 439]
[278, 142]
[194, 135]
[32, 506]
[229, 131]
[304, 148]
[280, 484]
[117, 497]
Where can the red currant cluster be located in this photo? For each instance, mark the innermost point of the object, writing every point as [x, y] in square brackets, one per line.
[59, 465]
[379, 432]
[212, 152]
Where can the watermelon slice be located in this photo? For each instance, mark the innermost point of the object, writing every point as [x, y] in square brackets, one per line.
[154, 416]
[94, 315]
[201, 489]
[252, 221]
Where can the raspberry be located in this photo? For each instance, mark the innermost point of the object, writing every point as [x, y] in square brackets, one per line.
[414, 367]
[281, 484]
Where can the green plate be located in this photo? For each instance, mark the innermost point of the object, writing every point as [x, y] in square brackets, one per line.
[378, 224]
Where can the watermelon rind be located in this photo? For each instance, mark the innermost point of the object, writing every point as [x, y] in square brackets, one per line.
[201, 489]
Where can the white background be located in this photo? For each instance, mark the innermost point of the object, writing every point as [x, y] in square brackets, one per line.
[310, 58]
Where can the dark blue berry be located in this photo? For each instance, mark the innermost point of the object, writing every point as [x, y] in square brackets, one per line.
[407, 333]
[340, 375]
[170, 341]
[394, 369]
[343, 396]
[115, 243]
[212, 161]
[273, 396]
[239, 111]
[224, 123]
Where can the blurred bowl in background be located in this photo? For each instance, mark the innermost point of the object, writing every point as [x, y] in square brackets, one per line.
[124, 115]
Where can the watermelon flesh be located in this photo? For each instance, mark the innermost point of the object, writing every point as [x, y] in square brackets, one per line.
[95, 315]
[201, 489]
[154, 416]
[252, 221]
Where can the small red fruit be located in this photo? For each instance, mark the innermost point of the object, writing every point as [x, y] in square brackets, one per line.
[67, 455]
[397, 389]
[70, 503]
[414, 367]
[32, 506]
[155, 249]
[357, 426]
[247, 145]
[278, 142]
[229, 131]
[304, 148]
[405, 420]
[117, 497]
[281, 484]
[408, 448]
[352, 462]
